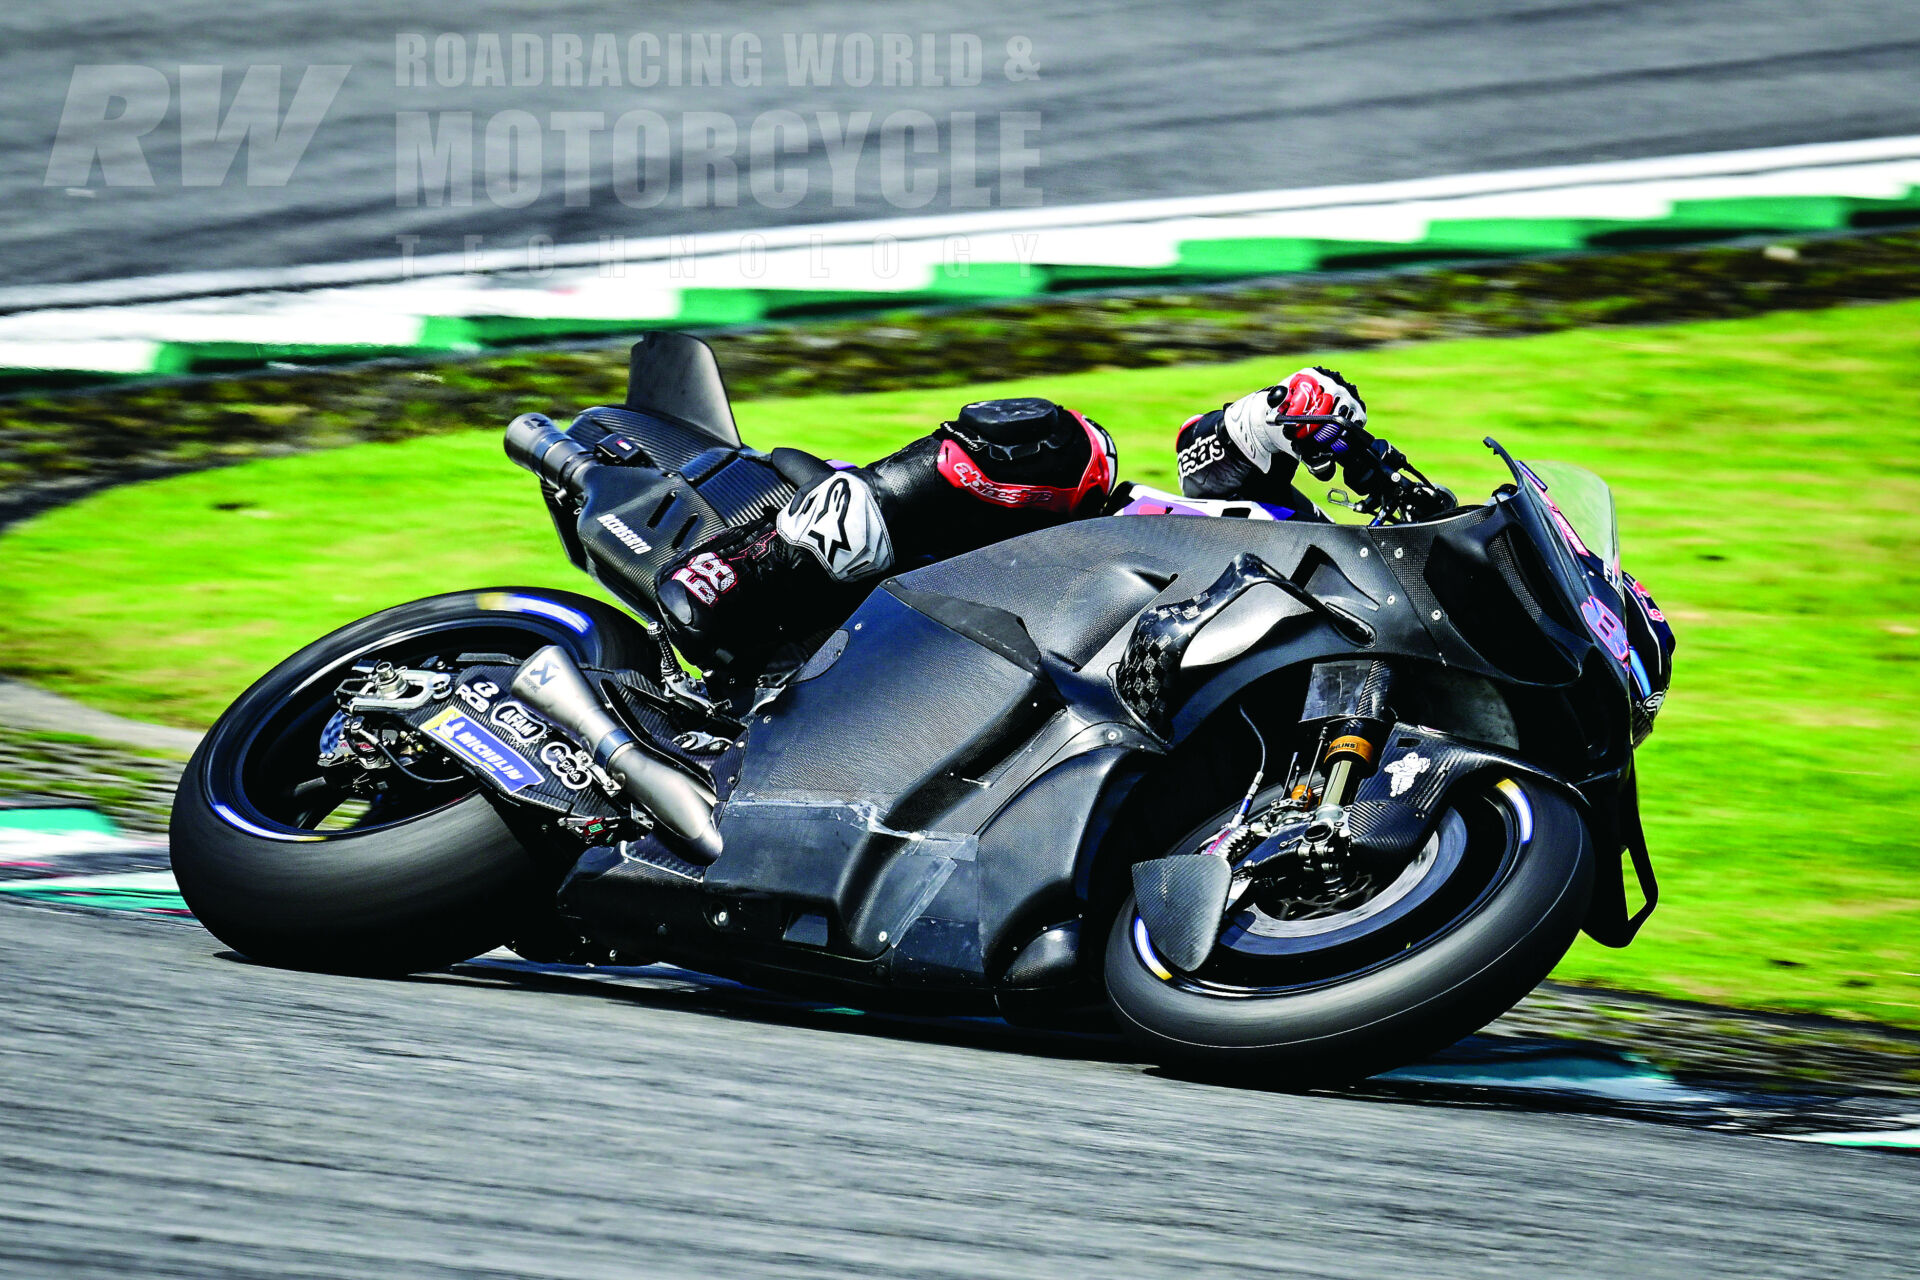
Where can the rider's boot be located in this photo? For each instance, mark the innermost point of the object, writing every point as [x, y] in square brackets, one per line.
[746, 591]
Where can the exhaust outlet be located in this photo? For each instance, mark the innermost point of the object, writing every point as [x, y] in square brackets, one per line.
[551, 684]
[534, 442]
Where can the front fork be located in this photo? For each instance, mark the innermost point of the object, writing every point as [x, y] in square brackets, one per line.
[1349, 699]
[1182, 898]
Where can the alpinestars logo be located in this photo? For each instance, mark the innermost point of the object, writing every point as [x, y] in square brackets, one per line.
[618, 528]
[840, 523]
[827, 531]
[1202, 453]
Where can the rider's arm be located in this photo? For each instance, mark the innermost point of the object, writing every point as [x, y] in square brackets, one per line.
[1251, 448]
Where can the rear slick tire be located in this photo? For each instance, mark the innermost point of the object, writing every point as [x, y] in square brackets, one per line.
[1386, 1016]
[423, 891]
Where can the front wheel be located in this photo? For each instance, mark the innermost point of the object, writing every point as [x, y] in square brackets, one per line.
[1481, 915]
[284, 862]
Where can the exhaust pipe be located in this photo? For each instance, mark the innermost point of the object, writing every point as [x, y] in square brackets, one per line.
[534, 442]
[551, 684]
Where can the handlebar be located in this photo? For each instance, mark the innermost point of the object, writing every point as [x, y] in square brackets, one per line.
[1390, 487]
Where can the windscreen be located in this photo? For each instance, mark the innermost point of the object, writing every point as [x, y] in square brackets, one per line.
[1584, 507]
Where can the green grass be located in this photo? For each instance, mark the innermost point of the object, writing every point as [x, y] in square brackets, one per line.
[1767, 473]
[49, 443]
[130, 784]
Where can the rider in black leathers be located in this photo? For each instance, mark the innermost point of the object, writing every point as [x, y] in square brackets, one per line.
[999, 468]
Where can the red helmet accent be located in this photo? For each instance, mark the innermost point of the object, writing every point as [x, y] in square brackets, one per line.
[962, 472]
[1100, 474]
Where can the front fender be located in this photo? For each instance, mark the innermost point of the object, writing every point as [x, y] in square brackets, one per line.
[1397, 807]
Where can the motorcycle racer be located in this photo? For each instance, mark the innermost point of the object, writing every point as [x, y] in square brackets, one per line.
[1012, 722]
[999, 468]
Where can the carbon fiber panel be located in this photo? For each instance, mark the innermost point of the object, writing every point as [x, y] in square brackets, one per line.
[1396, 807]
[745, 491]
[909, 701]
[669, 446]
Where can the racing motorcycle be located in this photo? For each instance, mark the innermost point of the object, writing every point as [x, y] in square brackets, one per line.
[1296, 800]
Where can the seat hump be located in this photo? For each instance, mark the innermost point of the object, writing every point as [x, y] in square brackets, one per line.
[676, 376]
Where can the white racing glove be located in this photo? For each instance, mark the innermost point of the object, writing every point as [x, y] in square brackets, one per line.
[1314, 416]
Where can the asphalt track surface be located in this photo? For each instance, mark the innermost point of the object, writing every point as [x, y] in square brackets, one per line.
[172, 1110]
[1137, 98]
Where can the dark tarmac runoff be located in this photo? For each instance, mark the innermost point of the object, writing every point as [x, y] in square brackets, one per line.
[173, 1110]
[1133, 99]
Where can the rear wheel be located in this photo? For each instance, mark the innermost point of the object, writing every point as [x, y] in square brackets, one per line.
[1306, 991]
[283, 861]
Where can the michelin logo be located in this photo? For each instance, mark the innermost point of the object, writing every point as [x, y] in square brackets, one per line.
[457, 731]
[1402, 772]
[618, 528]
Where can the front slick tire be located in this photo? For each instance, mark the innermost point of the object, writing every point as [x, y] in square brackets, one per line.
[431, 879]
[1387, 1014]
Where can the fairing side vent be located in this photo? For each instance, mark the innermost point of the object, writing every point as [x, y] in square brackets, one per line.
[1500, 555]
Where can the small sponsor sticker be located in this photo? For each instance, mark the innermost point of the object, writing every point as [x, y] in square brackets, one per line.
[513, 719]
[1402, 772]
[478, 695]
[473, 741]
[572, 768]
